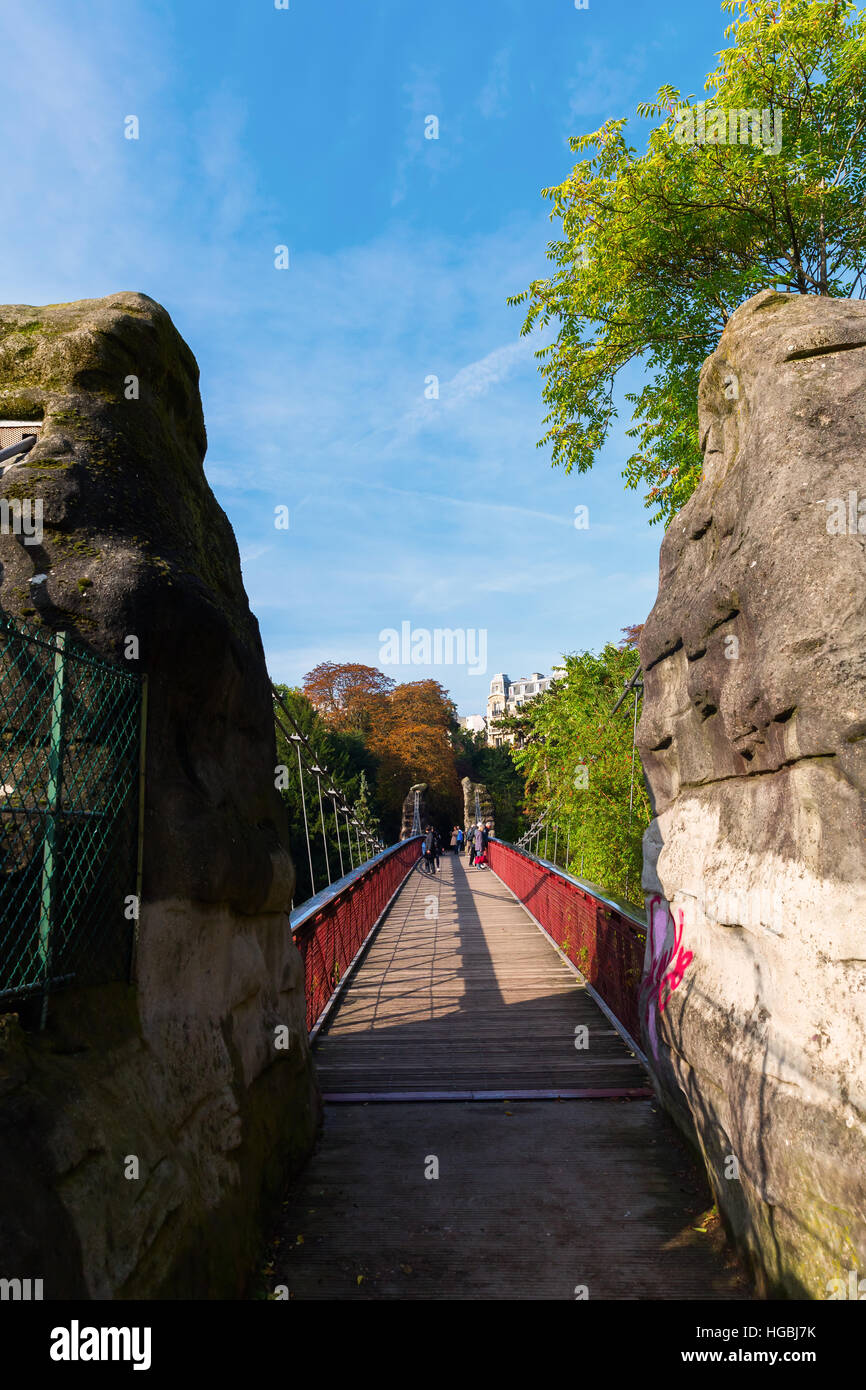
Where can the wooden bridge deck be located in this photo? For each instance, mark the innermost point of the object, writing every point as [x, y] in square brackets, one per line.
[460, 991]
[459, 994]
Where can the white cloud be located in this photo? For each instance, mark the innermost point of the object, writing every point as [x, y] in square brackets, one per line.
[604, 89]
[520, 514]
[476, 379]
[423, 99]
[254, 552]
[313, 379]
[494, 94]
[226, 180]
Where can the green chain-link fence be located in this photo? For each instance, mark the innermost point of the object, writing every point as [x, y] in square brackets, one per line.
[70, 737]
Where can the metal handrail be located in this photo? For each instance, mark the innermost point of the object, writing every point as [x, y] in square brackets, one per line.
[299, 915]
[628, 909]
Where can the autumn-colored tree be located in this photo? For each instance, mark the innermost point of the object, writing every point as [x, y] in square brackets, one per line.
[412, 742]
[421, 703]
[630, 636]
[405, 731]
[410, 753]
[347, 694]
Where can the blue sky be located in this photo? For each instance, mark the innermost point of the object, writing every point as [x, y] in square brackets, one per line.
[305, 127]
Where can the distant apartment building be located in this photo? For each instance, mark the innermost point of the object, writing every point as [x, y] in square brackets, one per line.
[506, 697]
[473, 723]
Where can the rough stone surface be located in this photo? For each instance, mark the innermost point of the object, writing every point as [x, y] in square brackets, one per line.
[752, 740]
[485, 801]
[408, 818]
[181, 1069]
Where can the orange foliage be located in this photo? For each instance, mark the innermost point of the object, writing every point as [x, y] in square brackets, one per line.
[348, 695]
[420, 702]
[630, 637]
[405, 726]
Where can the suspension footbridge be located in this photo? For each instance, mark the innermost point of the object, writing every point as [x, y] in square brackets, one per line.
[489, 1128]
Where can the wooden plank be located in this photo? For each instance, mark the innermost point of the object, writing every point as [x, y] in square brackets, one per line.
[530, 1200]
[369, 1097]
[454, 1046]
[460, 992]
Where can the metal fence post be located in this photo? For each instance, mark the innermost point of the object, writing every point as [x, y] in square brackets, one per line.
[53, 814]
[71, 734]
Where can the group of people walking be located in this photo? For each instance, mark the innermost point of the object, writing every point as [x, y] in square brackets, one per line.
[475, 841]
[478, 838]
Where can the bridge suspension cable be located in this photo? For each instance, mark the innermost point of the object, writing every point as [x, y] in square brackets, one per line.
[307, 757]
[318, 775]
[296, 740]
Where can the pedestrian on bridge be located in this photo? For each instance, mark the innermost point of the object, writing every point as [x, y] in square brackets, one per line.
[460, 840]
[430, 838]
[480, 846]
[454, 834]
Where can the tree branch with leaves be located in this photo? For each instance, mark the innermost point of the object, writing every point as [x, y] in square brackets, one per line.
[658, 249]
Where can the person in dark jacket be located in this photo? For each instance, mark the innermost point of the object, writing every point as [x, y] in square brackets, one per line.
[429, 848]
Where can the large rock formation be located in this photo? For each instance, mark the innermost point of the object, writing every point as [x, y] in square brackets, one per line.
[753, 739]
[182, 1070]
[475, 797]
[407, 820]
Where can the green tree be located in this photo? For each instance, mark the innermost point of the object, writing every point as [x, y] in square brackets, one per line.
[658, 249]
[495, 767]
[352, 767]
[577, 757]
[363, 809]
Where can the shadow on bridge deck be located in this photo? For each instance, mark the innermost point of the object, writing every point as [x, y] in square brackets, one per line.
[460, 992]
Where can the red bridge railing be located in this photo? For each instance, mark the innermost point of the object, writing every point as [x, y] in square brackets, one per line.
[598, 934]
[330, 929]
